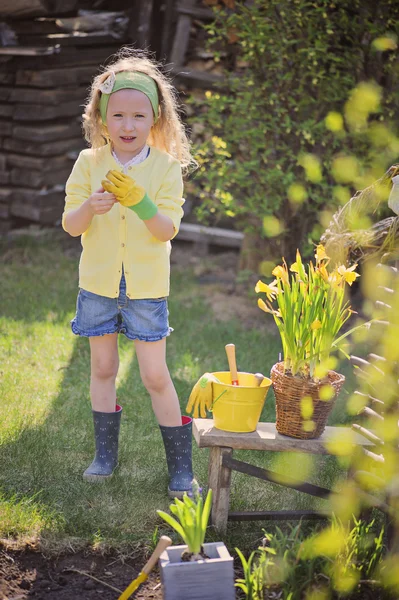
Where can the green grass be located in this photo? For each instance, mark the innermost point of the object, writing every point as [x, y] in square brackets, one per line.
[46, 438]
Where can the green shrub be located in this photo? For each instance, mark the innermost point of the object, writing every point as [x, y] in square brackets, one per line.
[305, 116]
[335, 563]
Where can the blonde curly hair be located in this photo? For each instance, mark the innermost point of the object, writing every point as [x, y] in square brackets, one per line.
[167, 134]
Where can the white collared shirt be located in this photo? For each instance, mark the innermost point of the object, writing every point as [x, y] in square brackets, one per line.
[136, 160]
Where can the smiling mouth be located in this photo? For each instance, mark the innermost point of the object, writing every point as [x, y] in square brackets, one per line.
[129, 138]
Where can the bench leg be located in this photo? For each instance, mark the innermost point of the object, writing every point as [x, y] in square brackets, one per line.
[219, 479]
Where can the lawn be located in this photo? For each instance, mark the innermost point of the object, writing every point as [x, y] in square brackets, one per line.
[46, 438]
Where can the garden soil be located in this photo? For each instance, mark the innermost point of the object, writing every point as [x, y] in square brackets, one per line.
[80, 576]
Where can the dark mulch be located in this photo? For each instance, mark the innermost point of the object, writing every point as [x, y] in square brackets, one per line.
[28, 574]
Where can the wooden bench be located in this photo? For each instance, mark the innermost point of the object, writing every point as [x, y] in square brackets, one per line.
[221, 463]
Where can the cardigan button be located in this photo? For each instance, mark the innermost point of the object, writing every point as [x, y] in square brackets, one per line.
[123, 245]
[123, 217]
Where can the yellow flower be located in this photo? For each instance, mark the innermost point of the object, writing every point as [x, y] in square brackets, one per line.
[349, 274]
[320, 253]
[323, 272]
[281, 273]
[270, 290]
[263, 306]
[316, 324]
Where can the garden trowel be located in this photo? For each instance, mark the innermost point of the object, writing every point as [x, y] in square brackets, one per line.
[163, 543]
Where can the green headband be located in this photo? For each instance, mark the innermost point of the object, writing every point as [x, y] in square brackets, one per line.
[132, 80]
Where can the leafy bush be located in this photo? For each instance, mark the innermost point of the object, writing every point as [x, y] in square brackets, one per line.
[306, 114]
[335, 563]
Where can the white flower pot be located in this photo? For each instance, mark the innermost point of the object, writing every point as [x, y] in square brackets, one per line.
[208, 579]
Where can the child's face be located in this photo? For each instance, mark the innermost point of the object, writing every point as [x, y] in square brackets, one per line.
[129, 121]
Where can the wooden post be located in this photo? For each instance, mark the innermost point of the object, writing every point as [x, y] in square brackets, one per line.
[219, 478]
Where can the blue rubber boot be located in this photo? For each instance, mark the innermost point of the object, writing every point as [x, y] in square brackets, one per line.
[106, 433]
[178, 447]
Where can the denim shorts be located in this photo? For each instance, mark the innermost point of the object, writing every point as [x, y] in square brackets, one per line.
[145, 320]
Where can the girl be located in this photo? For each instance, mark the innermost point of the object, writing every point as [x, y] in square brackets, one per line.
[124, 197]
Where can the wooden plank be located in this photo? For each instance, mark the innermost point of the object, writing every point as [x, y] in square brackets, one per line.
[194, 78]
[47, 149]
[40, 206]
[7, 78]
[29, 50]
[39, 25]
[35, 162]
[67, 58]
[278, 515]
[54, 77]
[182, 36]
[5, 127]
[3, 162]
[4, 210]
[266, 437]
[141, 20]
[211, 235]
[4, 177]
[19, 8]
[5, 227]
[219, 480]
[278, 478]
[6, 110]
[52, 97]
[77, 38]
[38, 179]
[38, 112]
[195, 12]
[46, 133]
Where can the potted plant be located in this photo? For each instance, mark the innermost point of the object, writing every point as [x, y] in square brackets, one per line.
[310, 311]
[196, 569]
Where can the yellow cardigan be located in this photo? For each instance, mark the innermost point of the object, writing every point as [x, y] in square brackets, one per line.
[120, 237]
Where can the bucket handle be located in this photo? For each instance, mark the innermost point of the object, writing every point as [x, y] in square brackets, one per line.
[214, 402]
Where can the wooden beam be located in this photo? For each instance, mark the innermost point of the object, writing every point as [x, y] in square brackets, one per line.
[266, 437]
[210, 235]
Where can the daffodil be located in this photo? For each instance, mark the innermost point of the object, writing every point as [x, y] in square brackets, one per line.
[270, 290]
[349, 274]
[280, 272]
[310, 310]
[320, 253]
[322, 269]
[263, 306]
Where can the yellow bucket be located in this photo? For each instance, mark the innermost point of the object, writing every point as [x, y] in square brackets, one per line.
[238, 408]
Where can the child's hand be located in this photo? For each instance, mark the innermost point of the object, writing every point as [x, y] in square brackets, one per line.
[101, 202]
[125, 189]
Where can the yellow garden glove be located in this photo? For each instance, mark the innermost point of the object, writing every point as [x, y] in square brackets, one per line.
[130, 194]
[201, 397]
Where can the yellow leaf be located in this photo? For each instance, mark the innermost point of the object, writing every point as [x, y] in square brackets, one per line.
[307, 407]
[272, 226]
[297, 193]
[334, 121]
[385, 43]
[342, 443]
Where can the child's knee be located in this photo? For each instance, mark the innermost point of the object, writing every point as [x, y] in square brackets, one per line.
[154, 380]
[105, 368]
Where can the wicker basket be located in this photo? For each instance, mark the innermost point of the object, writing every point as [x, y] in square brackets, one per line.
[289, 391]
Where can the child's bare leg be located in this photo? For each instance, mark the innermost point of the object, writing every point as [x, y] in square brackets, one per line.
[155, 375]
[104, 369]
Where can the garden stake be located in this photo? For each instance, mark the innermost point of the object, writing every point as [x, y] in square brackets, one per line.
[163, 543]
[231, 357]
